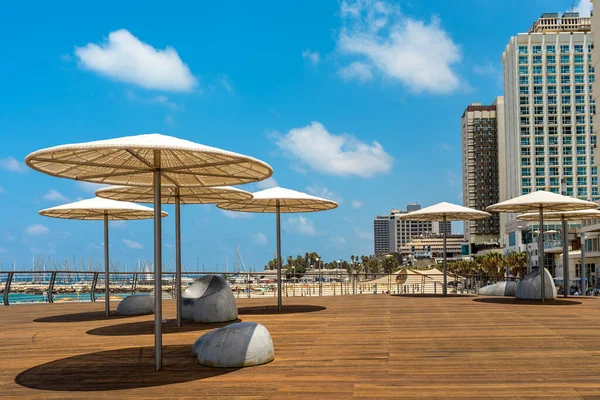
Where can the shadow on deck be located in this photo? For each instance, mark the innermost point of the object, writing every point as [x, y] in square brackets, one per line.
[120, 369]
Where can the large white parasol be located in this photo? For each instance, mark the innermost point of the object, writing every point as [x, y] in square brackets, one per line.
[175, 195]
[565, 216]
[445, 212]
[101, 209]
[279, 200]
[150, 160]
[540, 202]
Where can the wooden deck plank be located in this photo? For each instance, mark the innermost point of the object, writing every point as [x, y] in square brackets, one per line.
[369, 346]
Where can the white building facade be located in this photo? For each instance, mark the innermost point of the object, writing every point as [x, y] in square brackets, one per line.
[549, 136]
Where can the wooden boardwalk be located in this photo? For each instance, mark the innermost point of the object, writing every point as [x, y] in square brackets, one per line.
[369, 346]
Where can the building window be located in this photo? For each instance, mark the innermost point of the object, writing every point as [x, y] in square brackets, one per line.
[565, 79]
[578, 59]
[578, 69]
[569, 181]
[567, 140]
[523, 70]
[537, 80]
[536, 59]
[525, 171]
[564, 69]
[580, 130]
[580, 78]
[539, 161]
[537, 49]
[551, 89]
[551, 79]
[525, 161]
[525, 151]
[554, 181]
[567, 151]
[566, 119]
[540, 182]
[525, 141]
[581, 170]
[523, 60]
[581, 181]
[523, 80]
[567, 160]
[553, 172]
[550, 49]
[540, 171]
[539, 141]
[578, 48]
[565, 99]
[581, 160]
[581, 191]
[539, 151]
[526, 191]
[526, 182]
[568, 171]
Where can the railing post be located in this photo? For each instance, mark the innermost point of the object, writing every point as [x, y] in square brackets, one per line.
[93, 291]
[248, 282]
[51, 287]
[134, 284]
[7, 287]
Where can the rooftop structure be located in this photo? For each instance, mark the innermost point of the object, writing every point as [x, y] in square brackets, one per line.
[570, 21]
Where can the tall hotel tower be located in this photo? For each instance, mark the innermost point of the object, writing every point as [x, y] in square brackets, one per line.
[548, 77]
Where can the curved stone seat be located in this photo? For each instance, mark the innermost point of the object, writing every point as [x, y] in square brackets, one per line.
[242, 344]
[499, 289]
[529, 288]
[209, 300]
[138, 304]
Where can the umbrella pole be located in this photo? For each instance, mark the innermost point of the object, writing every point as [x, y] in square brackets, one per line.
[106, 265]
[541, 254]
[178, 253]
[565, 233]
[445, 291]
[278, 217]
[157, 264]
[583, 271]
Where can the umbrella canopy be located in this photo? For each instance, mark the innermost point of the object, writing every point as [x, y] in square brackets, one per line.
[542, 201]
[150, 160]
[132, 160]
[557, 216]
[445, 212]
[187, 195]
[277, 200]
[288, 201]
[175, 195]
[106, 210]
[564, 216]
[548, 201]
[97, 209]
[449, 211]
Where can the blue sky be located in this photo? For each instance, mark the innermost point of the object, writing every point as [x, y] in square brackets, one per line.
[356, 101]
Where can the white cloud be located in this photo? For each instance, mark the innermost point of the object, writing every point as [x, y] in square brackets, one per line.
[301, 225]
[161, 100]
[363, 234]
[419, 54]
[125, 58]
[584, 8]
[338, 239]
[322, 191]
[335, 154]
[12, 164]
[89, 187]
[451, 178]
[267, 183]
[236, 214]
[169, 120]
[132, 244]
[2, 190]
[55, 195]
[118, 224]
[259, 238]
[226, 83]
[357, 204]
[3, 250]
[356, 70]
[36, 230]
[313, 56]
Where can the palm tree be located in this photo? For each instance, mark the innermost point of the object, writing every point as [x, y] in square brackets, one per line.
[517, 263]
[493, 263]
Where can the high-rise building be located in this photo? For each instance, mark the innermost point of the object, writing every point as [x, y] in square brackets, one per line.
[438, 228]
[480, 140]
[548, 77]
[390, 232]
[384, 234]
[595, 63]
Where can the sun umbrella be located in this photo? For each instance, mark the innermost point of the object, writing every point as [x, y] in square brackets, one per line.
[445, 212]
[150, 160]
[565, 216]
[175, 195]
[279, 200]
[101, 209]
[540, 202]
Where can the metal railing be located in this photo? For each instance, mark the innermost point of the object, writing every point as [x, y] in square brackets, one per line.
[62, 286]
